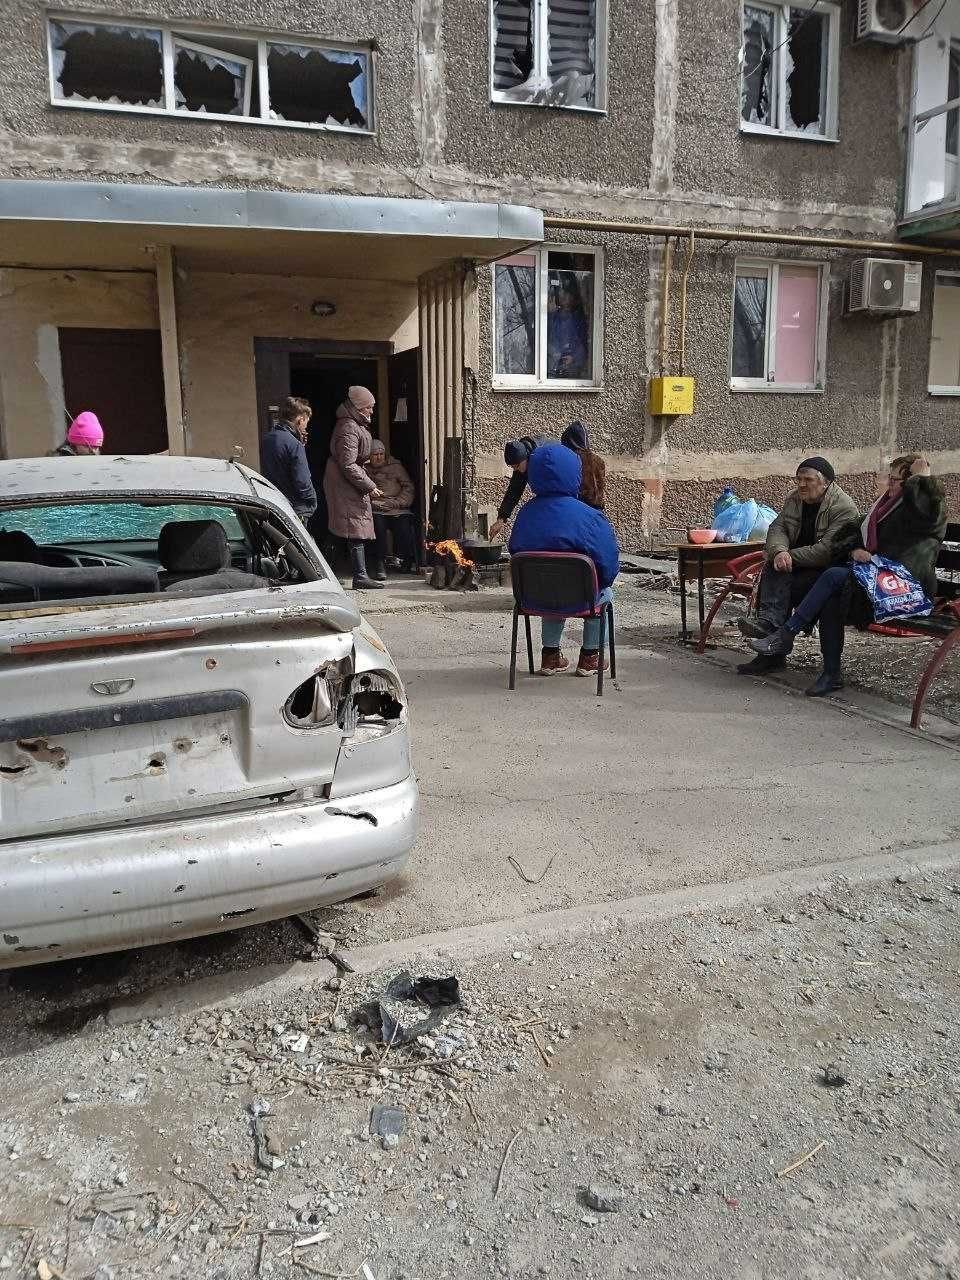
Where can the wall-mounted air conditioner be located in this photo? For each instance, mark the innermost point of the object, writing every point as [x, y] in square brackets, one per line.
[884, 287]
[887, 20]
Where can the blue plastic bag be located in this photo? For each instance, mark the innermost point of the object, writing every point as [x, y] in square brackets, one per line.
[765, 518]
[735, 523]
[893, 590]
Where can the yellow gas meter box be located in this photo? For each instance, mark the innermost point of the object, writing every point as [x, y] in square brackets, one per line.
[671, 396]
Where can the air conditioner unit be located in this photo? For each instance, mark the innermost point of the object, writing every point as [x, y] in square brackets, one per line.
[884, 286]
[887, 20]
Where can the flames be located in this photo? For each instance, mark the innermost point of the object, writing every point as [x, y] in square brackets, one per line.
[451, 548]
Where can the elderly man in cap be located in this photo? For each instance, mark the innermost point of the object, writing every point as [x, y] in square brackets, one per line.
[805, 539]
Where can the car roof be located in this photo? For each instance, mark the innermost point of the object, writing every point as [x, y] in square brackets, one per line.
[91, 477]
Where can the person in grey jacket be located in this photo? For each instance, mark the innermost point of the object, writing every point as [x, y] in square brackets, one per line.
[283, 457]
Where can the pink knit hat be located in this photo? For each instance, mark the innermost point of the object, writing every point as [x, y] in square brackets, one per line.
[86, 429]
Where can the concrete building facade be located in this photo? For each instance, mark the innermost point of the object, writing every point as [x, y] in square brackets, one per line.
[287, 197]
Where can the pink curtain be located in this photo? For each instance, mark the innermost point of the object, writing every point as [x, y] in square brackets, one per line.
[797, 305]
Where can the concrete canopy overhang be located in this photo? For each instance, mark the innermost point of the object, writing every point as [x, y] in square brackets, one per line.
[115, 226]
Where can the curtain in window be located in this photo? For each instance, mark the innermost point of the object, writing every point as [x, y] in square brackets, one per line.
[572, 26]
[750, 327]
[513, 43]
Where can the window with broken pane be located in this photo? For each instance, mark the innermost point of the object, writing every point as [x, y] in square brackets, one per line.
[318, 86]
[548, 53]
[779, 326]
[107, 64]
[546, 317]
[218, 74]
[789, 68]
[217, 81]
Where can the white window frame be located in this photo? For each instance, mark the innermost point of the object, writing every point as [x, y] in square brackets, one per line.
[175, 41]
[771, 269]
[205, 39]
[832, 12]
[917, 120]
[937, 389]
[541, 60]
[538, 381]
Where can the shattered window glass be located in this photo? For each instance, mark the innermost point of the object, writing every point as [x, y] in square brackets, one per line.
[750, 326]
[570, 284]
[545, 52]
[513, 43]
[102, 63]
[318, 86]
[515, 314]
[953, 92]
[757, 102]
[209, 80]
[572, 27]
[805, 53]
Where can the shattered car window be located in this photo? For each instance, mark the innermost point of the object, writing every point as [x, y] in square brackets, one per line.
[99, 63]
[318, 86]
[110, 521]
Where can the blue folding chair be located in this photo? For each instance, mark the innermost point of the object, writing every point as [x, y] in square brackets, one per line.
[558, 584]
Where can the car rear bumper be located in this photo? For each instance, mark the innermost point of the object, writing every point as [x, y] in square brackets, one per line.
[85, 893]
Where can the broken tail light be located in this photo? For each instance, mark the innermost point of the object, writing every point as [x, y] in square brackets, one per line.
[335, 695]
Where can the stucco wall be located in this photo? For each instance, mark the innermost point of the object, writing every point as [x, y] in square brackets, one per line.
[33, 304]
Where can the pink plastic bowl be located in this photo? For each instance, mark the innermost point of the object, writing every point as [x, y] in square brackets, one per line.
[702, 536]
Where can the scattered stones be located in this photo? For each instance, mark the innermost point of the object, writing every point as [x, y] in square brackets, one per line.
[832, 1077]
[603, 1199]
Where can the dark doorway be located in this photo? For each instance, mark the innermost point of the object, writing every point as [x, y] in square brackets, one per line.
[324, 381]
[118, 375]
[406, 443]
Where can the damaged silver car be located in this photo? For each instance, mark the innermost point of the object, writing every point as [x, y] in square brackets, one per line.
[197, 729]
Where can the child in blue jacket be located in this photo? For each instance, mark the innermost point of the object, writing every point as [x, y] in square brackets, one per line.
[556, 520]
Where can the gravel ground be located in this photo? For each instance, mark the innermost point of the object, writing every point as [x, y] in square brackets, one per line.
[769, 1092]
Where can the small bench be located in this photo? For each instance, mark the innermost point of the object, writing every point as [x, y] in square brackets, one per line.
[943, 623]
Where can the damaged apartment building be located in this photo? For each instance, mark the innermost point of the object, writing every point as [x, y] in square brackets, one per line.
[720, 234]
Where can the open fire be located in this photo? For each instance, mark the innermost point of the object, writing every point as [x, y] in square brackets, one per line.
[453, 570]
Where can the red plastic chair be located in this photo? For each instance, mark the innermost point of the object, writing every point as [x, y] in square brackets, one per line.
[746, 571]
[557, 584]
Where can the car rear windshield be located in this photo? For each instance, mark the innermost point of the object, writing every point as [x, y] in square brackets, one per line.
[78, 550]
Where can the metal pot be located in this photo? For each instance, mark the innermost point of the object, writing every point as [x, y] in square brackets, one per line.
[481, 552]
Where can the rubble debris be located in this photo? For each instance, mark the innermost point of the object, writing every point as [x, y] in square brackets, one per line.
[390, 1018]
[267, 1148]
[603, 1199]
[833, 1077]
[387, 1123]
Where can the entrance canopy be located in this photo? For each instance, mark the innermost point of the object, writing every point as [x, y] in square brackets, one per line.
[112, 226]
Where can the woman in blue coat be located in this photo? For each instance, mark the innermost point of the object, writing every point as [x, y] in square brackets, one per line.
[556, 520]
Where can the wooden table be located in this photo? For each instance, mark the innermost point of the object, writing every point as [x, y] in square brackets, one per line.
[702, 562]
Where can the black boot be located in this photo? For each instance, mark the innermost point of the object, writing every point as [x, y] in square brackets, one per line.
[777, 645]
[760, 665]
[359, 563]
[755, 627]
[827, 682]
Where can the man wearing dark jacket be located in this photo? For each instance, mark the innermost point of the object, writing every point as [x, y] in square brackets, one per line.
[516, 454]
[802, 542]
[556, 520]
[283, 457]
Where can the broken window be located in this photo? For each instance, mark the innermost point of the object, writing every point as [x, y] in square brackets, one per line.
[220, 74]
[211, 80]
[318, 86]
[934, 170]
[106, 64]
[789, 68]
[779, 326]
[547, 317]
[548, 53]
